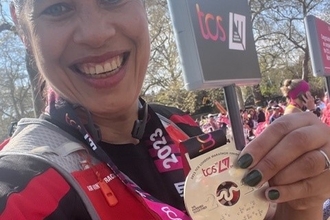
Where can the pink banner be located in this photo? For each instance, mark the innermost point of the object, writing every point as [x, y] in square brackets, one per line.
[323, 31]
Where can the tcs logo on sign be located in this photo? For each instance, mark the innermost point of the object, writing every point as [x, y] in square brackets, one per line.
[210, 26]
[218, 167]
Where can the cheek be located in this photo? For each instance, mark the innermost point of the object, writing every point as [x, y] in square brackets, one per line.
[137, 27]
[143, 47]
[48, 47]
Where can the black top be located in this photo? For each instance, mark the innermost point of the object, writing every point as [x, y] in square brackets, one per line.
[136, 163]
[135, 160]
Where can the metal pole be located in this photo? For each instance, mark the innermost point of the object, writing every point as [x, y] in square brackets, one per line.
[327, 79]
[234, 116]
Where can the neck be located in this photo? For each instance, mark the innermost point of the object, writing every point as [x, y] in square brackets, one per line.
[116, 127]
[297, 103]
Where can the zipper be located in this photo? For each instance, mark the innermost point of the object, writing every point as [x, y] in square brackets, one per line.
[106, 190]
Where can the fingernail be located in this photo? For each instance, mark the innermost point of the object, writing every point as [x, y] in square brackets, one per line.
[253, 178]
[273, 194]
[245, 161]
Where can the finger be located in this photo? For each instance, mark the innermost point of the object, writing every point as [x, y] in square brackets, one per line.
[309, 95]
[290, 148]
[316, 187]
[309, 99]
[306, 203]
[308, 165]
[305, 98]
[274, 133]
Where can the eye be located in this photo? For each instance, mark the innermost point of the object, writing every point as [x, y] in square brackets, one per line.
[57, 10]
[110, 1]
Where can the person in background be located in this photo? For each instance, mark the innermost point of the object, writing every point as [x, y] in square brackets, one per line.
[212, 122]
[100, 151]
[248, 124]
[326, 98]
[298, 95]
[276, 113]
[271, 103]
[320, 104]
[283, 105]
[223, 121]
[253, 114]
[269, 113]
[261, 120]
[261, 117]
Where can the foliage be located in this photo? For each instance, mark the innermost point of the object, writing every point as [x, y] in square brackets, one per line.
[281, 41]
[15, 91]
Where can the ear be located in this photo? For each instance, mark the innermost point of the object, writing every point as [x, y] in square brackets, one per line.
[15, 20]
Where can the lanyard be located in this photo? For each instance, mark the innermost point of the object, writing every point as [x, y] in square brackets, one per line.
[64, 113]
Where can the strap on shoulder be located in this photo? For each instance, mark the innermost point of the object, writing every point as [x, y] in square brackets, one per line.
[67, 176]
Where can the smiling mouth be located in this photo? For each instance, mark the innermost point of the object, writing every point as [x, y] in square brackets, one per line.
[102, 69]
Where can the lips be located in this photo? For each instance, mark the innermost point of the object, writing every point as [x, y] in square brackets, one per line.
[99, 69]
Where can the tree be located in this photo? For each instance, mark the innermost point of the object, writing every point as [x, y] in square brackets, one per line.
[280, 37]
[15, 89]
[164, 78]
[283, 31]
[164, 69]
[6, 25]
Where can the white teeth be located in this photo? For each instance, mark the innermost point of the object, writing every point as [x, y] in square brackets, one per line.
[91, 70]
[114, 64]
[107, 67]
[101, 68]
[118, 61]
[85, 69]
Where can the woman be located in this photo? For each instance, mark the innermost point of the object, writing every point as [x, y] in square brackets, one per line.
[298, 95]
[93, 55]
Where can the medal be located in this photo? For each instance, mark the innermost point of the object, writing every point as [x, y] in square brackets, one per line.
[214, 190]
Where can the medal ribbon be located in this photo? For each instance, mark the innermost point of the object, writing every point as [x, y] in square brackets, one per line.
[64, 113]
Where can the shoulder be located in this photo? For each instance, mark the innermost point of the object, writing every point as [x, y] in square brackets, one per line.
[40, 137]
[166, 110]
[26, 184]
[291, 109]
[30, 188]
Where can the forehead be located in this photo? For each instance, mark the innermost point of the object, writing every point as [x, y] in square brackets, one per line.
[20, 3]
[31, 6]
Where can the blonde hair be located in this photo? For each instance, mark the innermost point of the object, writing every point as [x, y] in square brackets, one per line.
[289, 85]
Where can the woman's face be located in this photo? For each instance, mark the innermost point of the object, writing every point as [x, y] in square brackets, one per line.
[92, 52]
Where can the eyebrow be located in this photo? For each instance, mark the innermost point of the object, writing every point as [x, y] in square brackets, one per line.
[36, 1]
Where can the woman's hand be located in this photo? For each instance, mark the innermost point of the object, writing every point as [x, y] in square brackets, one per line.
[309, 101]
[287, 154]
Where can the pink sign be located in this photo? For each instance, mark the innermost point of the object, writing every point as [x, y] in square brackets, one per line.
[323, 31]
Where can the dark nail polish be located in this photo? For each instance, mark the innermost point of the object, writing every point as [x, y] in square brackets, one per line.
[245, 161]
[273, 194]
[253, 178]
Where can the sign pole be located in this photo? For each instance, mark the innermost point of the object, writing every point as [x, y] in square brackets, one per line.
[234, 116]
[327, 83]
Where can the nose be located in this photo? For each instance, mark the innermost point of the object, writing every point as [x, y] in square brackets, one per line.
[94, 29]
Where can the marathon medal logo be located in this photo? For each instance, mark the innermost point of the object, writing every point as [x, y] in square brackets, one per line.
[214, 190]
[228, 193]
